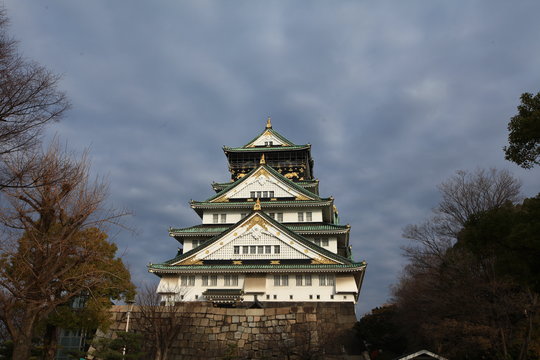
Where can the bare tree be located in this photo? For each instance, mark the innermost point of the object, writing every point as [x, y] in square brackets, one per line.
[160, 323]
[29, 99]
[52, 247]
[463, 195]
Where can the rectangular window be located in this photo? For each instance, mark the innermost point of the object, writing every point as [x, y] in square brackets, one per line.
[252, 249]
[265, 194]
[227, 280]
[268, 249]
[290, 297]
[272, 215]
[275, 297]
[234, 280]
[324, 242]
[307, 280]
[215, 218]
[205, 280]
[183, 280]
[284, 280]
[267, 297]
[252, 194]
[311, 297]
[223, 218]
[260, 249]
[309, 216]
[322, 280]
[300, 217]
[237, 249]
[191, 280]
[280, 217]
[277, 280]
[317, 241]
[330, 280]
[259, 194]
[213, 280]
[271, 193]
[245, 249]
[318, 297]
[332, 297]
[299, 281]
[276, 249]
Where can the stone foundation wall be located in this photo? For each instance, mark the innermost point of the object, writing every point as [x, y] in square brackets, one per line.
[283, 331]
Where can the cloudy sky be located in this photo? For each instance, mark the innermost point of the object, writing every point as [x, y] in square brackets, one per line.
[394, 96]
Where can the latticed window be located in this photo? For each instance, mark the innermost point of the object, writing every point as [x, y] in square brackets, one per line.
[205, 280]
[324, 242]
[237, 249]
[271, 193]
[213, 280]
[252, 194]
[303, 280]
[268, 249]
[281, 280]
[230, 280]
[252, 249]
[280, 217]
[187, 280]
[299, 281]
[276, 249]
[223, 218]
[300, 216]
[309, 216]
[260, 249]
[215, 218]
[245, 249]
[326, 280]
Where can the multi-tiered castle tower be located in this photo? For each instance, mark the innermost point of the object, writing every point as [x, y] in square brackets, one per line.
[266, 236]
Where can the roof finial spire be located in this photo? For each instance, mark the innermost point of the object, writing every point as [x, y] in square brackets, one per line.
[263, 161]
[269, 123]
[257, 205]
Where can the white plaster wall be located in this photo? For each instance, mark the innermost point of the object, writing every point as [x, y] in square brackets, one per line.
[289, 215]
[275, 293]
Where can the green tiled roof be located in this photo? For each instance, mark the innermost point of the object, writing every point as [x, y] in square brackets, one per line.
[273, 132]
[306, 242]
[213, 229]
[266, 148]
[359, 265]
[304, 184]
[271, 170]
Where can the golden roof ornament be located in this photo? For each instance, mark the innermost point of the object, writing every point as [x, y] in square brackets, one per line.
[263, 161]
[257, 205]
[268, 123]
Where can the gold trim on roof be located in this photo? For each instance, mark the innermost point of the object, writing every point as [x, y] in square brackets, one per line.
[257, 205]
[268, 123]
[263, 161]
[256, 220]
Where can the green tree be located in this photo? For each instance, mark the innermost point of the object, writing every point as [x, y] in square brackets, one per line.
[524, 133]
[121, 346]
[53, 248]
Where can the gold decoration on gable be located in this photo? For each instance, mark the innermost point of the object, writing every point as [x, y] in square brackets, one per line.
[237, 262]
[274, 262]
[256, 220]
[302, 197]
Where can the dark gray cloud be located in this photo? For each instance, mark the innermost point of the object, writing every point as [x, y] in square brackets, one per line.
[394, 97]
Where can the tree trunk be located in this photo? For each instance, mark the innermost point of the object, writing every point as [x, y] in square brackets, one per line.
[50, 342]
[22, 342]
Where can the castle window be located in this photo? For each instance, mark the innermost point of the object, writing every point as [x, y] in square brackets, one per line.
[231, 280]
[309, 216]
[271, 194]
[259, 194]
[317, 241]
[245, 249]
[275, 297]
[290, 297]
[265, 194]
[326, 280]
[252, 194]
[223, 218]
[299, 281]
[213, 280]
[300, 217]
[276, 249]
[205, 280]
[281, 280]
[318, 297]
[187, 280]
[332, 297]
[280, 217]
[252, 249]
[260, 249]
[215, 218]
[267, 297]
[307, 280]
[272, 215]
[324, 242]
[310, 297]
[237, 249]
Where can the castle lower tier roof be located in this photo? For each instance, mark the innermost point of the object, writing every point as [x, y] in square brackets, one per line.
[174, 269]
[264, 204]
[210, 229]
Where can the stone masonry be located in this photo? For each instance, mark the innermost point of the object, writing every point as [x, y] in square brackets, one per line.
[291, 331]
